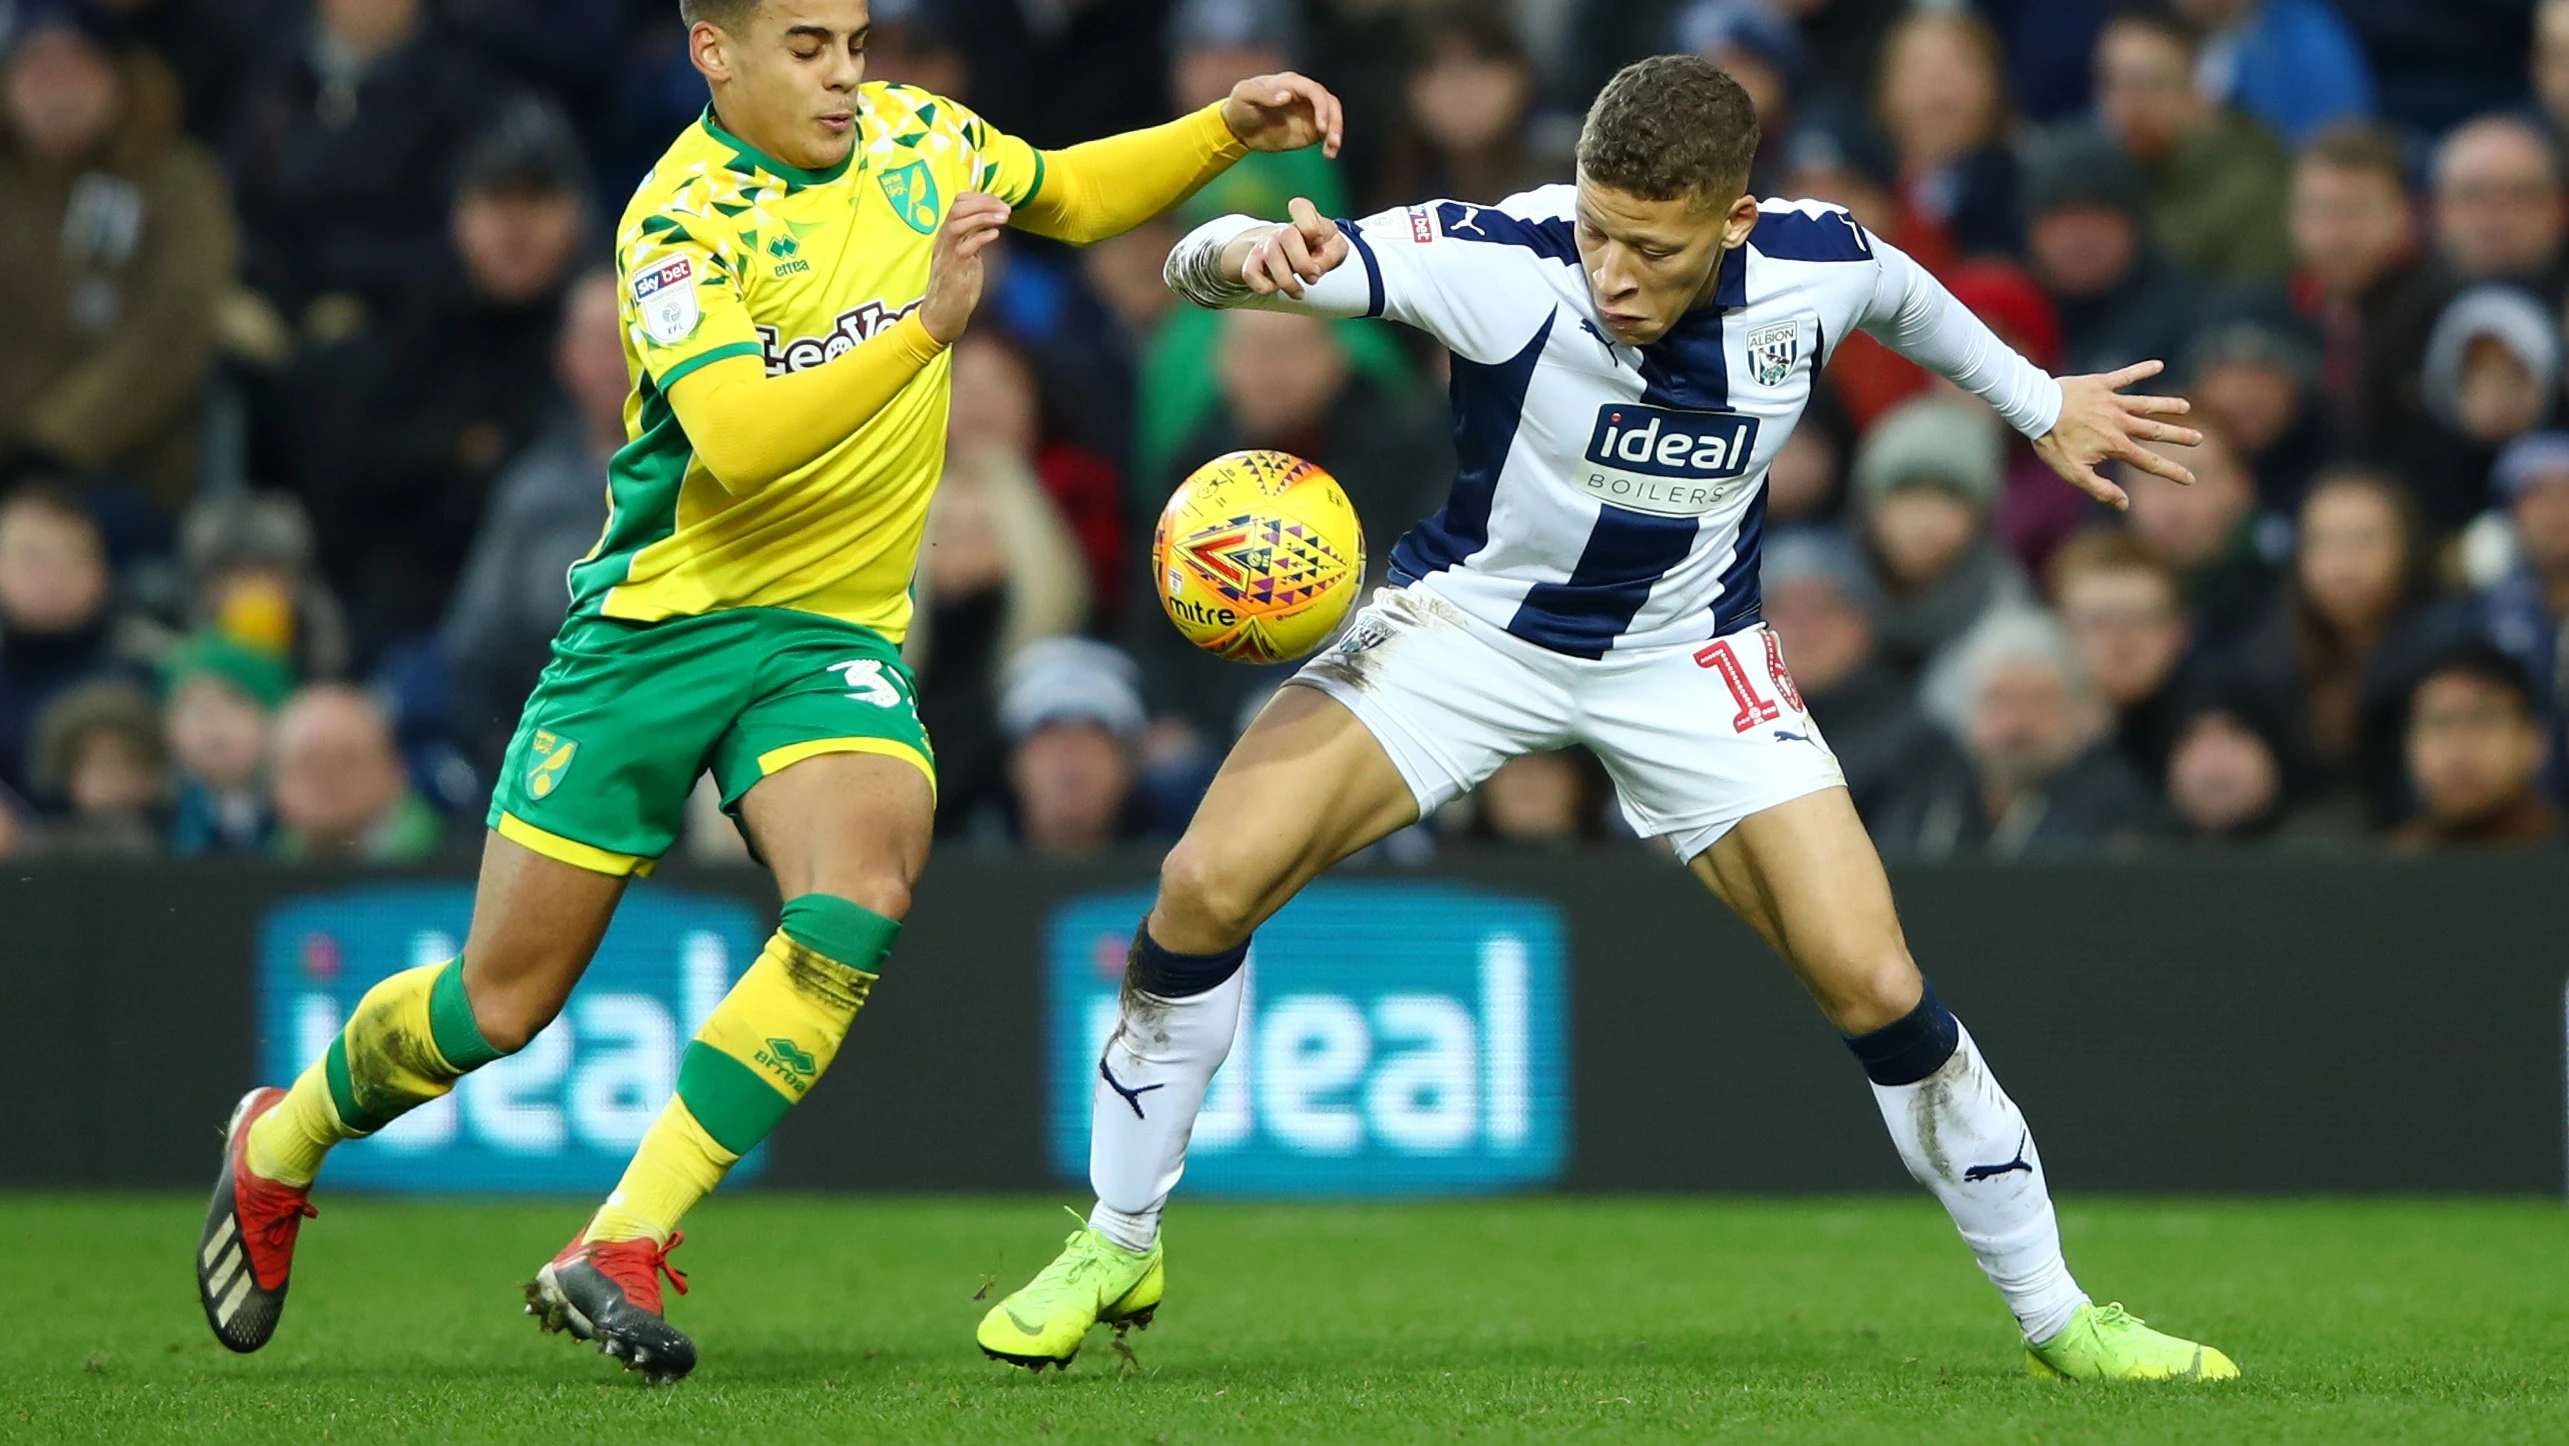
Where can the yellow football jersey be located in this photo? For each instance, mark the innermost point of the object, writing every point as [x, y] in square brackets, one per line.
[725, 252]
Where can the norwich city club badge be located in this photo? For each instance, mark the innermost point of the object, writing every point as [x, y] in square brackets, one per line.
[552, 760]
[913, 194]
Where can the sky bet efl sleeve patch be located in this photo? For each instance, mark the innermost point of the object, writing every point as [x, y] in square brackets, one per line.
[664, 298]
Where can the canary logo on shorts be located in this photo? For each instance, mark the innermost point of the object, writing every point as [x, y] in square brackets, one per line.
[552, 759]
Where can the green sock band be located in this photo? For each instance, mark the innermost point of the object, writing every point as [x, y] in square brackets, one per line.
[728, 1098]
[839, 931]
[343, 1088]
[451, 1025]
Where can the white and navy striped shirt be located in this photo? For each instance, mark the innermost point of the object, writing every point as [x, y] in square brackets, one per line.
[1611, 497]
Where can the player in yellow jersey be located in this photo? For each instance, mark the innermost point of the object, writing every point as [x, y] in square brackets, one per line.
[793, 271]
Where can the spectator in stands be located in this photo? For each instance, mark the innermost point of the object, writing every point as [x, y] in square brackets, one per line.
[2043, 778]
[250, 576]
[546, 511]
[2225, 774]
[2320, 660]
[1288, 384]
[910, 43]
[2526, 613]
[1941, 100]
[218, 710]
[1001, 569]
[2087, 240]
[103, 765]
[1756, 42]
[2551, 67]
[1470, 96]
[2355, 241]
[2216, 176]
[404, 427]
[115, 245]
[210, 45]
[57, 629]
[999, 406]
[2492, 373]
[1072, 710]
[341, 793]
[343, 159]
[1806, 483]
[2474, 751]
[1926, 478]
[2255, 375]
[2290, 63]
[2119, 604]
[1215, 44]
[2500, 211]
[1541, 800]
[1820, 598]
[2222, 550]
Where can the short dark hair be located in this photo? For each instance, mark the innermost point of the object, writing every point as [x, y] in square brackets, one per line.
[2360, 146]
[2481, 661]
[729, 14]
[2165, 21]
[1673, 127]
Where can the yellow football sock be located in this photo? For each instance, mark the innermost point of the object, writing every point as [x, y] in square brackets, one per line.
[761, 1050]
[411, 1037]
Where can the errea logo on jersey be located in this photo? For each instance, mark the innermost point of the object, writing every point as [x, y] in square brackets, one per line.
[861, 323]
[1664, 460]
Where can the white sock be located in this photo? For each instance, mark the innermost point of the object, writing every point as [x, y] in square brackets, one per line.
[1962, 1137]
[1150, 1085]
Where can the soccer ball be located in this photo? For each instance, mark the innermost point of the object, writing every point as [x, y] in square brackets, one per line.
[1258, 557]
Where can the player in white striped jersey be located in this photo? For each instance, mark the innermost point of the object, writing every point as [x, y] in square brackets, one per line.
[1629, 354]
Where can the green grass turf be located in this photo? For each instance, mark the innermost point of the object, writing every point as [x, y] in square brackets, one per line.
[851, 1319]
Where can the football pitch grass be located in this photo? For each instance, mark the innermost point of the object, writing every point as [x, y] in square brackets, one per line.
[846, 1319]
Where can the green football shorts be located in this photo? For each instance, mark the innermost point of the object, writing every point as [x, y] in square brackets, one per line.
[628, 715]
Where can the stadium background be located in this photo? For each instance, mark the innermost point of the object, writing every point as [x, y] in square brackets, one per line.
[311, 371]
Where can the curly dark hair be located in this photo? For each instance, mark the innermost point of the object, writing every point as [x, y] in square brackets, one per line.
[1673, 127]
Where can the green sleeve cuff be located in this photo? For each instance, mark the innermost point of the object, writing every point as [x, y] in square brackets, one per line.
[671, 377]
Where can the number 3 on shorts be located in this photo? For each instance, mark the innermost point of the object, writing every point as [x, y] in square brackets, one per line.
[868, 683]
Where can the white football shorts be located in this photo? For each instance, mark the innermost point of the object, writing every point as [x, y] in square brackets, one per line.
[1695, 737]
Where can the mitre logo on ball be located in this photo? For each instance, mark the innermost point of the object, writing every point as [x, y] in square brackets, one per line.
[1258, 557]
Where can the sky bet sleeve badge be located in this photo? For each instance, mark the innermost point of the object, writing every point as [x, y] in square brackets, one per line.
[666, 297]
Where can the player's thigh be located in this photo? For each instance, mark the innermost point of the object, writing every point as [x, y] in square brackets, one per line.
[827, 768]
[536, 923]
[1411, 710]
[854, 825]
[1805, 874]
[1304, 787]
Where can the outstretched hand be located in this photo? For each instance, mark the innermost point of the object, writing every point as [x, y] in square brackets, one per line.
[1288, 257]
[1285, 112]
[2099, 424]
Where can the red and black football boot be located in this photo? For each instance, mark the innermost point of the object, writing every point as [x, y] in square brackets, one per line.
[247, 1252]
[608, 1291]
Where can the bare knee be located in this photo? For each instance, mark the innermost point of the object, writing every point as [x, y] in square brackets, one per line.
[1861, 997]
[1208, 899]
[509, 1013]
[881, 892]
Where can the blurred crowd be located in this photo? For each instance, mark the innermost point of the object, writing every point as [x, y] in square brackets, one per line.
[312, 370]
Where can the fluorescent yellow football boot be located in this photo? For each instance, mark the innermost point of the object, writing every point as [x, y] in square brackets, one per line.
[1092, 1282]
[2109, 1343]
